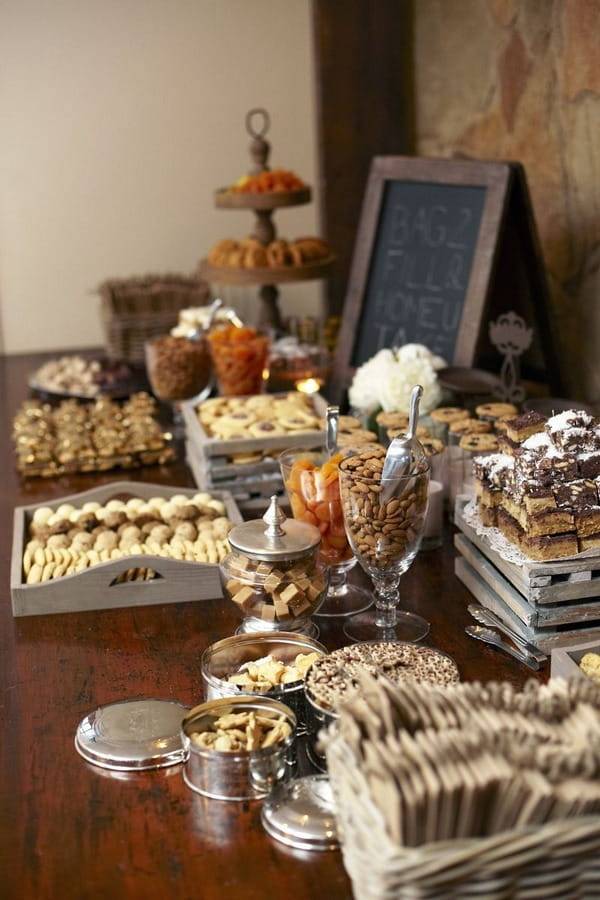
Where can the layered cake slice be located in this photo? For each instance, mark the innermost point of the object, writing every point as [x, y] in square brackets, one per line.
[543, 491]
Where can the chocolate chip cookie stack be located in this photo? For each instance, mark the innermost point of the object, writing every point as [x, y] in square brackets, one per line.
[542, 489]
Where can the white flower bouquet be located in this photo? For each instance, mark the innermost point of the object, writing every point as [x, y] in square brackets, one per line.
[386, 380]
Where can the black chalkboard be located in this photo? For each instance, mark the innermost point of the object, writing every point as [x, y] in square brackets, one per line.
[431, 236]
[420, 269]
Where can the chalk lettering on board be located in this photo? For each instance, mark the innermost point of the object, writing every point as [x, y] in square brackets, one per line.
[420, 267]
[455, 240]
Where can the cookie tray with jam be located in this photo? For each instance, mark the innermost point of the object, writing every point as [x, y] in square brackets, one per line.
[255, 424]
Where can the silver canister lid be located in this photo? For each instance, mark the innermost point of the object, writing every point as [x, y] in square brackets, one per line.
[282, 538]
[131, 735]
[301, 814]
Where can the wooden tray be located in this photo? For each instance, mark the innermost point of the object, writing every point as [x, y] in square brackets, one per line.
[551, 604]
[564, 662]
[266, 274]
[225, 198]
[207, 446]
[95, 588]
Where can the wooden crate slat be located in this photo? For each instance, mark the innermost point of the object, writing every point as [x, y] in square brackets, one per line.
[494, 580]
[517, 575]
[558, 613]
[540, 583]
[544, 639]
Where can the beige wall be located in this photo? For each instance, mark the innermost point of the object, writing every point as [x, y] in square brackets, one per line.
[119, 119]
[520, 79]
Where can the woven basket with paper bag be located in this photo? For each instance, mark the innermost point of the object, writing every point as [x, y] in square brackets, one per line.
[468, 790]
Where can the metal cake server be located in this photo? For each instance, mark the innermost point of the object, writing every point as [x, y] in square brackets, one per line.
[488, 636]
[486, 617]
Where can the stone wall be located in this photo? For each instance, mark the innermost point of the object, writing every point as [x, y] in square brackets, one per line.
[520, 80]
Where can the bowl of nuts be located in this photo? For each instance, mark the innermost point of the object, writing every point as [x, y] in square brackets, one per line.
[238, 749]
[270, 664]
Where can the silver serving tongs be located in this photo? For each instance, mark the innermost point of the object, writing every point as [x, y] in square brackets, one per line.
[332, 417]
[404, 453]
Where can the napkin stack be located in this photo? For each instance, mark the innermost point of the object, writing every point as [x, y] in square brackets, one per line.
[470, 760]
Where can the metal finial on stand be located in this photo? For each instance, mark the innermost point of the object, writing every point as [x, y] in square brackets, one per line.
[511, 336]
[259, 147]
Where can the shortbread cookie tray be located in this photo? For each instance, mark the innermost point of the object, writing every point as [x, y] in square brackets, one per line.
[137, 579]
[214, 446]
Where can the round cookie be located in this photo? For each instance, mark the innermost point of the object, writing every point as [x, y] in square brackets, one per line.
[479, 443]
[470, 426]
[495, 411]
[266, 429]
[447, 414]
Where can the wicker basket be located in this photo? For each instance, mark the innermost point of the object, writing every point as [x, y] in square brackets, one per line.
[559, 859]
[135, 310]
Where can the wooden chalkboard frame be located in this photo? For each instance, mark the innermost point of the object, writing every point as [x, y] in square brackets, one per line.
[501, 181]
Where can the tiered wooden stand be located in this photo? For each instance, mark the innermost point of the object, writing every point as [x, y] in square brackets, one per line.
[263, 206]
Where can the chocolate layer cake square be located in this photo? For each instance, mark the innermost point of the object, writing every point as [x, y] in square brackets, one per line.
[553, 546]
[515, 510]
[573, 431]
[588, 464]
[507, 445]
[550, 521]
[535, 497]
[588, 542]
[509, 526]
[587, 521]
[577, 494]
[521, 427]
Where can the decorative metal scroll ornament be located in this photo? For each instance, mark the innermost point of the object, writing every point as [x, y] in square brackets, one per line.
[511, 336]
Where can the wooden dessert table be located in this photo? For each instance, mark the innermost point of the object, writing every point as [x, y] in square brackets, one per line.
[70, 829]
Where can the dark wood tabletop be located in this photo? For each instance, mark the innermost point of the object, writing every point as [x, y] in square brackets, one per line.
[71, 829]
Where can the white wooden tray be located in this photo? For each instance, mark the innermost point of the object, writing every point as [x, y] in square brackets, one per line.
[211, 446]
[98, 587]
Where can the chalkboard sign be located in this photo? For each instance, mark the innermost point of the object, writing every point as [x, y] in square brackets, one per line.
[430, 235]
[422, 260]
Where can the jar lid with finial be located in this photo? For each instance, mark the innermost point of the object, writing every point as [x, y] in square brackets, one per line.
[281, 539]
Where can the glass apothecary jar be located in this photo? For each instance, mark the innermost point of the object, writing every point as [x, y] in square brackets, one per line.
[273, 573]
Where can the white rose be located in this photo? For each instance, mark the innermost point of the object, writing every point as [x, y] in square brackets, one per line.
[394, 393]
[414, 364]
[363, 393]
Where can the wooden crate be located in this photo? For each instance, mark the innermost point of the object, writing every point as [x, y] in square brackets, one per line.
[552, 604]
[98, 587]
[250, 485]
[208, 447]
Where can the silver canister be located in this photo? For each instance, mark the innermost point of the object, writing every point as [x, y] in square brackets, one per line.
[318, 718]
[230, 655]
[237, 775]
